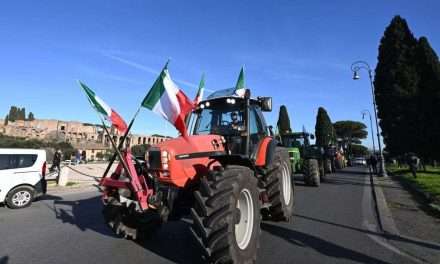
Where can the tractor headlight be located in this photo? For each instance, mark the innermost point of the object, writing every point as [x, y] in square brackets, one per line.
[164, 157]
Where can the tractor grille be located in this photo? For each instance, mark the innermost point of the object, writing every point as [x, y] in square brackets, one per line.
[154, 159]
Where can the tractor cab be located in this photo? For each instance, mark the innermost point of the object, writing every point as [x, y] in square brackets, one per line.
[239, 119]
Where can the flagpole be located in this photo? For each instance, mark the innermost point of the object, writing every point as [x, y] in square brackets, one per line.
[118, 153]
[121, 143]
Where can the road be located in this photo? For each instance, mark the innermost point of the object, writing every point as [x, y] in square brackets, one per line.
[334, 223]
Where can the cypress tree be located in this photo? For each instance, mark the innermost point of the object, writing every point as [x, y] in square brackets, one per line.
[396, 81]
[6, 120]
[428, 67]
[283, 123]
[324, 130]
[22, 114]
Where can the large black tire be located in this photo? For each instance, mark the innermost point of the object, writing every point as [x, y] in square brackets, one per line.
[280, 187]
[20, 197]
[216, 216]
[311, 172]
[129, 224]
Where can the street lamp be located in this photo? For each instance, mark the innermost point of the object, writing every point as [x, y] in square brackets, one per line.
[364, 112]
[356, 67]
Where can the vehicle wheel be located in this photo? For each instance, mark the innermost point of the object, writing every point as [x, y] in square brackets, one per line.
[328, 166]
[280, 187]
[226, 215]
[20, 197]
[311, 172]
[127, 223]
[322, 172]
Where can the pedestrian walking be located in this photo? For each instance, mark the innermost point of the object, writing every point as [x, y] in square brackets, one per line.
[414, 162]
[373, 163]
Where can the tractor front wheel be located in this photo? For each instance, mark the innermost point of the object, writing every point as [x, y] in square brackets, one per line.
[311, 172]
[226, 215]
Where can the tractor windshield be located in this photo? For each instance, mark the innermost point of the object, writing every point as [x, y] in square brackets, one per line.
[292, 142]
[219, 118]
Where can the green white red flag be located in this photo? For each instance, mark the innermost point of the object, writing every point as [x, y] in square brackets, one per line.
[168, 100]
[240, 86]
[103, 108]
[199, 95]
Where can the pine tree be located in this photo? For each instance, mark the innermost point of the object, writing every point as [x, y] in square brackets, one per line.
[283, 123]
[31, 116]
[13, 113]
[396, 81]
[428, 67]
[22, 114]
[324, 130]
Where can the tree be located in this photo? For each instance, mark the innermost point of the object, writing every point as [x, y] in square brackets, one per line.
[359, 150]
[324, 130]
[22, 114]
[428, 68]
[31, 116]
[283, 123]
[395, 83]
[6, 120]
[350, 132]
[13, 113]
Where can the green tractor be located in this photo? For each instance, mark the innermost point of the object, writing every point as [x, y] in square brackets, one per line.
[304, 157]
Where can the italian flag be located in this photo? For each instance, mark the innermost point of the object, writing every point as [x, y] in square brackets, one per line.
[104, 109]
[199, 95]
[168, 100]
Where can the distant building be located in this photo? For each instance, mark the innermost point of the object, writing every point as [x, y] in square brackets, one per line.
[88, 137]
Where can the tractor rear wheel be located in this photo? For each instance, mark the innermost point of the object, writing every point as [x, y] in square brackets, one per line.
[226, 215]
[311, 172]
[280, 187]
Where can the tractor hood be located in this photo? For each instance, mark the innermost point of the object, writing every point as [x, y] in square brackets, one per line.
[178, 160]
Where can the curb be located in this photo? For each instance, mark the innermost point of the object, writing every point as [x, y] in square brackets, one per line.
[385, 217]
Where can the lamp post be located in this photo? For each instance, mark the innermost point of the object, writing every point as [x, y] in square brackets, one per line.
[364, 112]
[356, 67]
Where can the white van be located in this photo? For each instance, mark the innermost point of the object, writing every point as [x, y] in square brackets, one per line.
[22, 176]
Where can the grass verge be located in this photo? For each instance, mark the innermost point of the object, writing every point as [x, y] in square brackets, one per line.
[427, 181]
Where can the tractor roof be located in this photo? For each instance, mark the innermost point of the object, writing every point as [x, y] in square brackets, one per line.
[230, 92]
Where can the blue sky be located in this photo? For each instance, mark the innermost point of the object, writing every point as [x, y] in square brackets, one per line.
[299, 52]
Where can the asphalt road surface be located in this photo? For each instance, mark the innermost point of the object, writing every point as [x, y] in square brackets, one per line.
[334, 223]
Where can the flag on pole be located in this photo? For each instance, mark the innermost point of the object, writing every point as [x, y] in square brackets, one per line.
[103, 108]
[199, 95]
[168, 100]
[240, 86]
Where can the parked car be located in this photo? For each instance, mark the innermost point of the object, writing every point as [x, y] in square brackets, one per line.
[359, 161]
[22, 173]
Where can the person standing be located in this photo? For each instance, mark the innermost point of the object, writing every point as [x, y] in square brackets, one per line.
[56, 161]
[78, 157]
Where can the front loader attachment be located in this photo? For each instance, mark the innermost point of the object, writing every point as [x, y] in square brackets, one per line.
[126, 195]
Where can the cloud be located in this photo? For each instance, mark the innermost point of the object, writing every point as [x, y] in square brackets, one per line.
[145, 68]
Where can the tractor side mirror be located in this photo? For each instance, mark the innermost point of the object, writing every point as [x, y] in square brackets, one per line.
[312, 136]
[265, 103]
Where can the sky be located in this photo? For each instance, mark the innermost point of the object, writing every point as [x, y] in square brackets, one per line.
[298, 52]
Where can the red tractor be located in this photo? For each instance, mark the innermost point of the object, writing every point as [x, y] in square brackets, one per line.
[226, 174]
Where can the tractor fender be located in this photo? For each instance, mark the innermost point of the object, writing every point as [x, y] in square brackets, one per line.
[266, 151]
